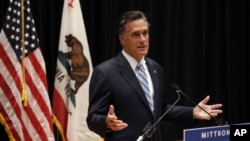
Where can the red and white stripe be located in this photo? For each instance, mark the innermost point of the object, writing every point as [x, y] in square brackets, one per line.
[34, 121]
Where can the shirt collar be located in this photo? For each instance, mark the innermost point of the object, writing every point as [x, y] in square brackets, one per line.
[132, 61]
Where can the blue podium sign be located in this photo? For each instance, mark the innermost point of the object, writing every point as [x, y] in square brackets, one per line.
[215, 133]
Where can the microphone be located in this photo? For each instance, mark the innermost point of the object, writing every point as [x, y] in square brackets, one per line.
[217, 121]
[149, 128]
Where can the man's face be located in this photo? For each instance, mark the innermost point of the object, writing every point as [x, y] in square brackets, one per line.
[135, 39]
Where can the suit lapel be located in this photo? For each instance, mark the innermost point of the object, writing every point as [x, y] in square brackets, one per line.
[153, 74]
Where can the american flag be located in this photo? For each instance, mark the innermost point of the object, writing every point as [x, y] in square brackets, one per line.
[25, 109]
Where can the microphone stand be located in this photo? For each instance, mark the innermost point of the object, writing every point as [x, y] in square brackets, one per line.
[149, 129]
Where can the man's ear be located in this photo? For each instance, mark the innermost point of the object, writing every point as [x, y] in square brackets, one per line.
[121, 38]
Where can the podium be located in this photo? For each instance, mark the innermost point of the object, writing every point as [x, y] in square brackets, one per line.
[215, 133]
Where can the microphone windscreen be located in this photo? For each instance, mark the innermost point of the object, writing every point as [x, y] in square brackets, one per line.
[175, 86]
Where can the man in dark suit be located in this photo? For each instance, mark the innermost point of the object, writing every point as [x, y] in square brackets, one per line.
[119, 107]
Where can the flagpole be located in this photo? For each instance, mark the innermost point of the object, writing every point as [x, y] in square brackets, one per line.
[24, 94]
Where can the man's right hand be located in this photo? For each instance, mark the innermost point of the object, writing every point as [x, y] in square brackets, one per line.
[112, 122]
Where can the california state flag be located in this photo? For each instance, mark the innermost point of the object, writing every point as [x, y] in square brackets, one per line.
[73, 71]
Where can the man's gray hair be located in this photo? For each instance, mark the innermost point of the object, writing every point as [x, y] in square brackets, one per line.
[128, 17]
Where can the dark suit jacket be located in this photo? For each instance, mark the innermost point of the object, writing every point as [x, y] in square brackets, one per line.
[114, 82]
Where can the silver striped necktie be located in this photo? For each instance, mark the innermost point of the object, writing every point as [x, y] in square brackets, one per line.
[141, 75]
